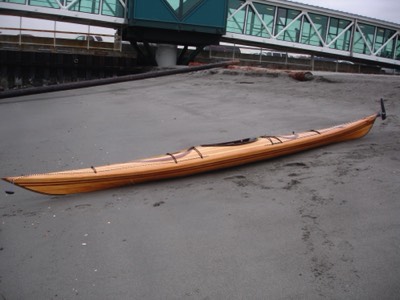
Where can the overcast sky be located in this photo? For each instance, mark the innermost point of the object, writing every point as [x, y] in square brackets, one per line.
[388, 10]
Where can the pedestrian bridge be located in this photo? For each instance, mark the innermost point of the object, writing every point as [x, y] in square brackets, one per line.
[293, 26]
[110, 13]
[277, 24]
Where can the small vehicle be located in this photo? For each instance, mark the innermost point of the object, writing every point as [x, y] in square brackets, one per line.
[90, 38]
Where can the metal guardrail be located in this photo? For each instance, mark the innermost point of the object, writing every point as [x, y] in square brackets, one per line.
[285, 60]
[56, 39]
[258, 55]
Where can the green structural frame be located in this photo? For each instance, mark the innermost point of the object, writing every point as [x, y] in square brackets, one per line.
[285, 24]
[106, 8]
[280, 23]
[207, 16]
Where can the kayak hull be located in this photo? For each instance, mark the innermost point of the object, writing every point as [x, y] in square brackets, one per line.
[189, 161]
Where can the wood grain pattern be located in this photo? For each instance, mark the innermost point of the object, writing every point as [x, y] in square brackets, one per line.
[189, 161]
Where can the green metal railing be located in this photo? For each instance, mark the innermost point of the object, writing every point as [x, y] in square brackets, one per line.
[102, 8]
[300, 27]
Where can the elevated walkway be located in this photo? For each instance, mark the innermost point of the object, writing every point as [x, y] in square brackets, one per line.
[108, 13]
[276, 24]
[290, 26]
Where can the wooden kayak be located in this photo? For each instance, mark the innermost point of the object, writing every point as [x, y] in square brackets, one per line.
[190, 161]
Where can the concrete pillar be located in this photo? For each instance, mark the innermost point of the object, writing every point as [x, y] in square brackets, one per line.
[166, 55]
[312, 62]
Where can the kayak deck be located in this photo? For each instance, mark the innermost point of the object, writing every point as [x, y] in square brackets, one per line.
[189, 161]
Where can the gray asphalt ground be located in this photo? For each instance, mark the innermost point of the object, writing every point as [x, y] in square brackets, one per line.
[323, 224]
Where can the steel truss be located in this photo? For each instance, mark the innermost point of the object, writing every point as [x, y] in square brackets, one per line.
[270, 23]
[310, 29]
[94, 12]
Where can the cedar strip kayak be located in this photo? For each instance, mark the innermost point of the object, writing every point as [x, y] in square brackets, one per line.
[203, 158]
